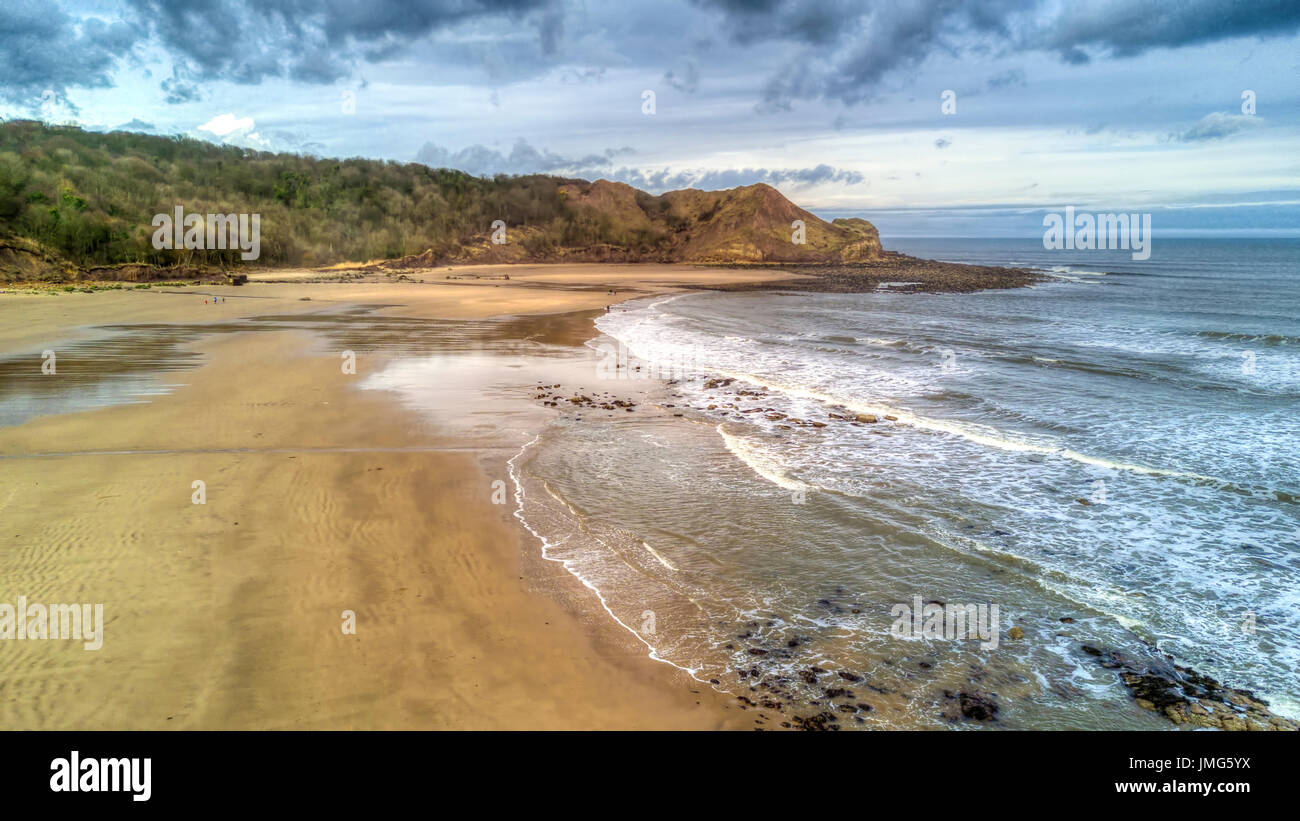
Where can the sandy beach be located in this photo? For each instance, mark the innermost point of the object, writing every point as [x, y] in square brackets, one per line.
[320, 498]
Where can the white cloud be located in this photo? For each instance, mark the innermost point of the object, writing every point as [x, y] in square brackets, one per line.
[223, 125]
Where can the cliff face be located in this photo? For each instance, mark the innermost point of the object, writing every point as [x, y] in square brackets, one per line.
[754, 223]
[751, 224]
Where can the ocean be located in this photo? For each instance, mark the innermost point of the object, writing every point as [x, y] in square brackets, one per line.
[1109, 458]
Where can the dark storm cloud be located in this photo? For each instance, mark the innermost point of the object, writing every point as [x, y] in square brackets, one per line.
[42, 49]
[551, 30]
[523, 158]
[790, 50]
[810, 22]
[318, 41]
[179, 89]
[849, 48]
[1124, 28]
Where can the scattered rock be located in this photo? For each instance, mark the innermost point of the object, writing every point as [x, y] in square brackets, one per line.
[976, 706]
[821, 722]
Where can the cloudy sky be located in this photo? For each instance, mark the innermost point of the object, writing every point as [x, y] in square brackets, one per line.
[1100, 104]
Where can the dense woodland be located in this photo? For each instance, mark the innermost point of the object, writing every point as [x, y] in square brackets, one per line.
[91, 197]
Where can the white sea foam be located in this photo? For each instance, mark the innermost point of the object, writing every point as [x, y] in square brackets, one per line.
[759, 462]
[662, 560]
[549, 548]
[980, 434]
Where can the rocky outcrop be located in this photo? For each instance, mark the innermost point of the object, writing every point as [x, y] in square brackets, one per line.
[1187, 697]
[864, 242]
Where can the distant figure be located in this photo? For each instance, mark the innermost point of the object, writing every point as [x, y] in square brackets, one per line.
[606, 309]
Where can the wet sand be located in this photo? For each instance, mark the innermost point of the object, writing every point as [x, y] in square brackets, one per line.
[320, 498]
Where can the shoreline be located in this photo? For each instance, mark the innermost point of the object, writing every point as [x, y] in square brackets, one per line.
[919, 275]
[456, 582]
